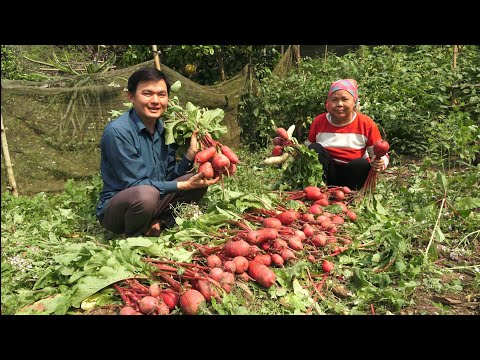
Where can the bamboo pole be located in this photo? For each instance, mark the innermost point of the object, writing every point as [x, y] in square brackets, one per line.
[156, 58]
[455, 52]
[454, 67]
[8, 162]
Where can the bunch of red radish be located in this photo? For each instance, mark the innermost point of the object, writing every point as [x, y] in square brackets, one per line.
[215, 159]
[280, 142]
[380, 148]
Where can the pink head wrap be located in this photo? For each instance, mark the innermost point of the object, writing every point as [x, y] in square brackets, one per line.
[349, 85]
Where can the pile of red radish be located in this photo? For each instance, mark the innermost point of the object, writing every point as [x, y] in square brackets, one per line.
[264, 239]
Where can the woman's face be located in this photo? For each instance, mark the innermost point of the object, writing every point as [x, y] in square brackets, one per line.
[341, 105]
[150, 100]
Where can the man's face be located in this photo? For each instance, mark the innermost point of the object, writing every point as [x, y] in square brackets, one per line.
[150, 99]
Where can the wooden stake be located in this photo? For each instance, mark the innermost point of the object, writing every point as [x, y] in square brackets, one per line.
[156, 58]
[8, 162]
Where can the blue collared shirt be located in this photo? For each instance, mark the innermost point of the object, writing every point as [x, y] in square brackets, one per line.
[131, 156]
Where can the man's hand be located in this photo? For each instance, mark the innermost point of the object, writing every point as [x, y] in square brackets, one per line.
[196, 182]
[377, 164]
[193, 148]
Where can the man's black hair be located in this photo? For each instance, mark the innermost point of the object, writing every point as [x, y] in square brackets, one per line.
[146, 74]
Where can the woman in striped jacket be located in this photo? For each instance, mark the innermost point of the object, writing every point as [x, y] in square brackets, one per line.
[344, 138]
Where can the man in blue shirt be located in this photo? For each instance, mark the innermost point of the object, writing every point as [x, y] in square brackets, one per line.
[141, 175]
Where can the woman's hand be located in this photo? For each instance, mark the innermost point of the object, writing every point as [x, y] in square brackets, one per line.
[377, 164]
[197, 181]
[193, 148]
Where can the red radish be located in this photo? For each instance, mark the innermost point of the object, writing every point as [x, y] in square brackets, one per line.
[226, 281]
[351, 215]
[265, 245]
[337, 220]
[277, 260]
[277, 150]
[287, 254]
[312, 193]
[322, 218]
[244, 276]
[279, 244]
[272, 222]
[252, 236]
[282, 133]
[232, 169]
[207, 169]
[162, 308]
[230, 266]
[261, 274]
[326, 224]
[265, 259]
[190, 301]
[241, 264]
[213, 261]
[147, 305]
[295, 243]
[311, 258]
[319, 240]
[278, 141]
[155, 290]
[220, 162]
[346, 190]
[205, 155]
[300, 234]
[322, 202]
[339, 195]
[308, 217]
[216, 273]
[287, 217]
[327, 266]
[229, 154]
[308, 231]
[127, 310]
[206, 290]
[266, 234]
[227, 278]
[315, 209]
[254, 250]
[380, 148]
[170, 298]
[259, 236]
[237, 248]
